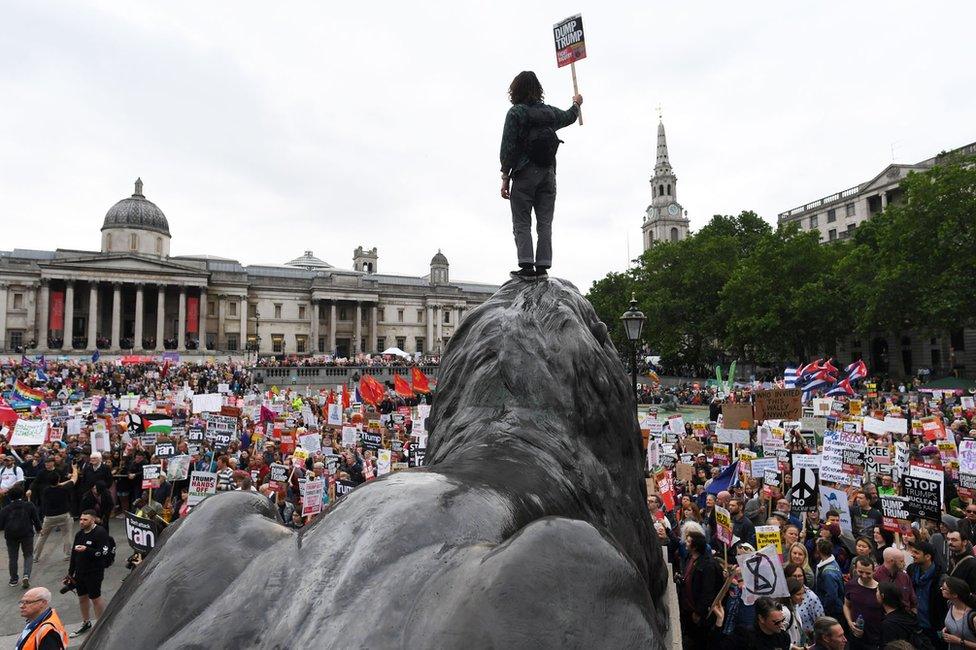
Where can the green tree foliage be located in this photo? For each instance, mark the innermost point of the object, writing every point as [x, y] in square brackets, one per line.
[739, 288]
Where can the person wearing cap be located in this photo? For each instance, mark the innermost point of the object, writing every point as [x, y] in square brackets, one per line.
[10, 475]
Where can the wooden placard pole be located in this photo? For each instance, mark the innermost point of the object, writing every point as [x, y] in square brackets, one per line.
[572, 68]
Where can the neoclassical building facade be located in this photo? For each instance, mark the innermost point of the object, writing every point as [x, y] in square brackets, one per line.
[132, 297]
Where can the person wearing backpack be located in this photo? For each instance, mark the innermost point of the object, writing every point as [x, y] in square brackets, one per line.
[19, 520]
[94, 550]
[528, 159]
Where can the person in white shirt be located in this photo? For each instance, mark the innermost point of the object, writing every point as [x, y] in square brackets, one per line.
[10, 475]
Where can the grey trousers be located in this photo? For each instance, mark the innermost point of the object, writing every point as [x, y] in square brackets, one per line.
[67, 534]
[533, 187]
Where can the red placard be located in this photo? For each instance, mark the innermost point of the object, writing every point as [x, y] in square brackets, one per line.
[56, 312]
[192, 314]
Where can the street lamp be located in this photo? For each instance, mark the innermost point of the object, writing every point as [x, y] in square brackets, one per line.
[633, 320]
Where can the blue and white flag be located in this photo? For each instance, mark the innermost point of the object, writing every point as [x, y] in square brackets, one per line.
[789, 378]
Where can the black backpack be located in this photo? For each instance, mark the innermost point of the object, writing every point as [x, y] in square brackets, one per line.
[108, 555]
[541, 142]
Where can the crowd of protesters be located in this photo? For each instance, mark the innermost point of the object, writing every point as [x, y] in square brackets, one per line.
[63, 498]
[855, 578]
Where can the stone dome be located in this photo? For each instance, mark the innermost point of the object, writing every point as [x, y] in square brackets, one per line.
[137, 212]
[439, 259]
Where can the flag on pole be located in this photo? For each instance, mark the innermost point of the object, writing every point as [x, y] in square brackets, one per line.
[789, 378]
[28, 394]
[420, 382]
[401, 386]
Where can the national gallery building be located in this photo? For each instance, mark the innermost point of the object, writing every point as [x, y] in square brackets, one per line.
[132, 297]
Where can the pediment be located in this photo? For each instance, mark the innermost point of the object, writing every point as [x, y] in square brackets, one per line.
[889, 175]
[116, 263]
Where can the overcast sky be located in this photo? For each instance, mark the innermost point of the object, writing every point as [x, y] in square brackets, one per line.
[264, 129]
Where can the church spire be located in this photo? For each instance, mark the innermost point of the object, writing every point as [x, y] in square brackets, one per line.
[663, 165]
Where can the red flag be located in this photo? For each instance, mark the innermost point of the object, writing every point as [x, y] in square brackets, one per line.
[420, 382]
[401, 386]
[330, 399]
[345, 397]
[371, 390]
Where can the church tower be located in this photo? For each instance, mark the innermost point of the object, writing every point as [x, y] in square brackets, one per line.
[665, 219]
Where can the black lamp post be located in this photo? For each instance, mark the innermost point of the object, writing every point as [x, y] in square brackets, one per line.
[633, 320]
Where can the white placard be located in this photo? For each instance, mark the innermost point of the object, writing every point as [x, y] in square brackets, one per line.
[806, 461]
[335, 414]
[29, 432]
[834, 499]
[895, 425]
[383, 459]
[208, 403]
[737, 436]
[874, 425]
[760, 465]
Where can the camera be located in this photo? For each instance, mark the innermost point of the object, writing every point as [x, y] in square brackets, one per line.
[68, 585]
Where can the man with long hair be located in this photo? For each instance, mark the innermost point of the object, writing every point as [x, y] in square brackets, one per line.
[528, 157]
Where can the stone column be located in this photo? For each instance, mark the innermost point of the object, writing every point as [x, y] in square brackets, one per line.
[92, 316]
[439, 314]
[69, 316]
[358, 328]
[202, 327]
[30, 303]
[116, 315]
[140, 307]
[332, 326]
[181, 320]
[221, 341]
[884, 201]
[373, 330]
[45, 306]
[429, 342]
[3, 316]
[242, 337]
[160, 317]
[314, 345]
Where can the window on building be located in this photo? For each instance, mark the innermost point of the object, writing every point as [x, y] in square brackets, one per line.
[133, 242]
[850, 228]
[300, 344]
[420, 315]
[342, 314]
[232, 342]
[380, 314]
[16, 338]
[301, 312]
[159, 246]
[832, 234]
[400, 317]
[849, 210]
[18, 301]
[277, 308]
[211, 340]
[813, 221]
[447, 316]
[233, 308]
[401, 342]
[321, 347]
[957, 340]
[831, 215]
[669, 189]
[420, 344]
[211, 308]
[660, 189]
[277, 343]
[252, 311]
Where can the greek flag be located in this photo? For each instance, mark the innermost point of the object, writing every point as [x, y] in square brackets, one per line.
[789, 378]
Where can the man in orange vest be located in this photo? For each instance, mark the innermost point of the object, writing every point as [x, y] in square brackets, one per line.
[44, 630]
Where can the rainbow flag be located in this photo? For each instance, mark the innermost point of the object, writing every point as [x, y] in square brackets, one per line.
[28, 394]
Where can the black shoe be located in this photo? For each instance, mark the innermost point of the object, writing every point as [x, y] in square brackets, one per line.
[524, 273]
[13, 582]
[81, 630]
[541, 271]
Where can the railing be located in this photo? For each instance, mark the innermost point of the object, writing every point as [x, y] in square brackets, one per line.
[329, 375]
[816, 204]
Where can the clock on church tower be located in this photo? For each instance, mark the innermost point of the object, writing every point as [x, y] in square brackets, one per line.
[665, 219]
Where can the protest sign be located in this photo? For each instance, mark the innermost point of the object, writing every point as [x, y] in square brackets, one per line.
[967, 456]
[312, 497]
[342, 488]
[194, 434]
[683, 472]
[762, 575]
[177, 468]
[221, 429]
[208, 403]
[923, 497]
[676, 424]
[349, 436]
[202, 485]
[854, 406]
[165, 450]
[779, 404]
[733, 436]
[948, 455]
[100, 439]
[967, 485]
[278, 476]
[815, 424]
[384, 458]
[140, 533]
[900, 465]
[873, 425]
[878, 459]
[806, 461]
[822, 406]
[570, 40]
[720, 453]
[771, 481]
[834, 499]
[29, 432]
[335, 414]
[665, 488]
[769, 536]
[692, 446]
[932, 428]
[760, 465]
[723, 525]
[418, 455]
[311, 442]
[895, 424]
[73, 426]
[968, 402]
[894, 506]
[737, 416]
[804, 491]
[150, 476]
[371, 440]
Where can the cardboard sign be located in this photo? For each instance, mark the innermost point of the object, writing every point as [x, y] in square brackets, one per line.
[202, 485]
[140, 533]
[684, 472]
[769, 536]
[312, 497]
[150, 476]
[737, 416]
[779, 404]
[165, 450]
[569, 39]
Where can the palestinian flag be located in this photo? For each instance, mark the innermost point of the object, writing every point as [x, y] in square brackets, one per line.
[154, 423]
